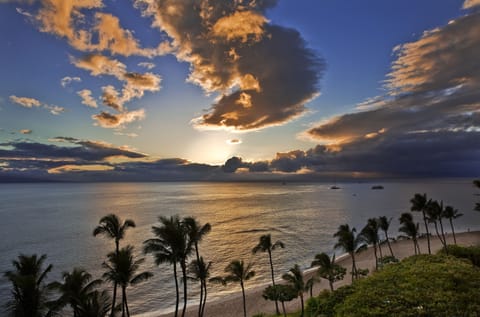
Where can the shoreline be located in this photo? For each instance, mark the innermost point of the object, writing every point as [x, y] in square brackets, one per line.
[231, 304]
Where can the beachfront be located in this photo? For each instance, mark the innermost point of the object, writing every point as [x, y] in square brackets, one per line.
[231, 306]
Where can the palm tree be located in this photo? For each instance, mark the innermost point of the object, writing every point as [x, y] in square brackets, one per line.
[95, 304]
[201, 272]
[76, 286]
[295, 279]
[434, 215]
[350, 243]
[195, 234]
[369, 235]
[265, 245]
[420, 203]
[410, 229]
[29, 292]
[310, 283]
[122, 269]
[328, 269]
[239, 272]
[384, 224]
[169, 246]
[282, 293]
[112, 227]
[451, 213]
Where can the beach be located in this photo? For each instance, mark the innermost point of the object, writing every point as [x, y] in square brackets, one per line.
[231, 306]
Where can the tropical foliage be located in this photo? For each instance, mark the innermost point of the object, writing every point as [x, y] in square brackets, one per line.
[282, 293]
[328, 269]
[350, 243]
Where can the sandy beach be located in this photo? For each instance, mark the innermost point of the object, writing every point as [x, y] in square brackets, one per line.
[231, 306]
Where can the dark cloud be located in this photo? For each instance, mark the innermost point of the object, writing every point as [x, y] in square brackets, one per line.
[264, 73]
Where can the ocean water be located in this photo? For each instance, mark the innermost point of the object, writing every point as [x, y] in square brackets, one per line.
[58, 220]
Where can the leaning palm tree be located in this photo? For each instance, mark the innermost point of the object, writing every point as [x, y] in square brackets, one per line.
[265, 245]
[200, 271]
[420, 203]
[410, 229]
[112, 227]
[434, 215]
[239, 272]
[169, 246]
[95, 304]
[451, 213]
[76, 287]
[122, 269]
[384, 224]
[282, 293]
[30, 293]
[294, 278]
[196, 232]
[369, 235]
[350, 243]
[328, 269]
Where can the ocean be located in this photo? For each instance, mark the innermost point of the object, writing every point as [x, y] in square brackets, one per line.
[58, 219]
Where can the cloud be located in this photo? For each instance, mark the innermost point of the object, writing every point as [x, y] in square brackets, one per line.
[23, 12]
[430, 119]
[87, 98]
[89, 30]
[25, 101]
[99, 65]
[147, 65]
[26, 131]
[55, 110]
[65, 81]
[471, 3]
[109, 120]
[264, 73]
[79, 168]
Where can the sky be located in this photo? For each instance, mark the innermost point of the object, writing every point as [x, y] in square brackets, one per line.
[151, 90]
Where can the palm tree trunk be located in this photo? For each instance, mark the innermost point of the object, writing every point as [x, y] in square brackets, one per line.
[380, 249]
[204, 297]
[354, 266]
[283, 308]
[376, 257]
[453, 231]
[123, 306]
[388, 242]
[125, 299]
[428, 233]
[438, 234]
[114, 298]
[177, 293]
[301, 301]
[201, 299]
[443, 235]
[273, 278]
[184, 273]
[331, 284]
[244, 300]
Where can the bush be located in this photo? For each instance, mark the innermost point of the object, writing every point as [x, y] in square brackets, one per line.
[423, 285]
[470, 253]
[324, 304]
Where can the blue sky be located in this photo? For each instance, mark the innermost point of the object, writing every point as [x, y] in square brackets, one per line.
[288, 87]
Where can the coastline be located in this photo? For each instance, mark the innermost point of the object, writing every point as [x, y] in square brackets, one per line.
[231, 305]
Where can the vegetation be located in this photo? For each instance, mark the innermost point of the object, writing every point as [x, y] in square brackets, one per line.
[471, 253]
[281, 293]
[294, 278]
[112, 227]
[328, 269]
[325, 303]
[420, 203]
[239, 272]
[265, 245]
[384, 225]
[410, 229]
[350, 243]
[451, 213]
[448, 287]
[369, 235]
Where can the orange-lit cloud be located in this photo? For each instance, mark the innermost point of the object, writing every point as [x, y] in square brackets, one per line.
[79, 168]
[87, 98]
[109, 120]
[25, 101]
[263, 73]
[471, 3]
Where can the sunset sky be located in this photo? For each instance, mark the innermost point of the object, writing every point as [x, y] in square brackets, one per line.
[241, 89]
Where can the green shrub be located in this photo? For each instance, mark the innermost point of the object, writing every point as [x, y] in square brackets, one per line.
[423, 285]
[471, 253]
[324, 304]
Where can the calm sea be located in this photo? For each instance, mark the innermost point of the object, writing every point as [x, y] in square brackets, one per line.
[58, 219]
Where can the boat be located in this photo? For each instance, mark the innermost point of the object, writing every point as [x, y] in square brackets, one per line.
[334, 187]
[377, 187]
